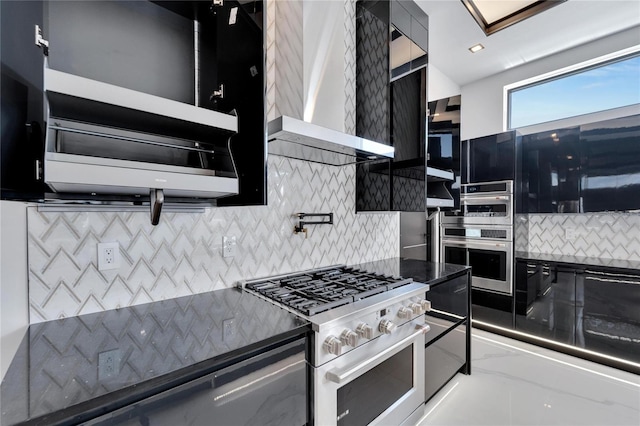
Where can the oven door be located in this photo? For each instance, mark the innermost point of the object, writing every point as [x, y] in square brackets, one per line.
[381, 382]
[491, 262]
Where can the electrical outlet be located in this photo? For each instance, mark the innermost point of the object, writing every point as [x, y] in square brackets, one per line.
[570, 233]
[228, 329]
[108, 364]
[108, 256]
[228, 246]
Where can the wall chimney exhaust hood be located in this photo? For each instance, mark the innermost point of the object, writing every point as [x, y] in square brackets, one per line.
[293, 138]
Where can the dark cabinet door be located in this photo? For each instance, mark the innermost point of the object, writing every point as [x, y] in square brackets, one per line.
[546, 300]
[551, 171]
[444, 358]
[449, 305]
[240, 65]
[610, 166]
[268, 389]
[489, 158]
[390, 112]
[21, 122]
[609, 316]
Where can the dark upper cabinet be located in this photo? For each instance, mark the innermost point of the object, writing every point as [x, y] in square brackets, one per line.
[590, 168]
[21, 86]
[611, 165]
[181, 51]
[551, 171]
[391, 106]
[489, 158]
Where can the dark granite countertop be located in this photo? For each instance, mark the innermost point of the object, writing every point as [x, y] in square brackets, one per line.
[630, 265]
[54, 377]
[420, 270]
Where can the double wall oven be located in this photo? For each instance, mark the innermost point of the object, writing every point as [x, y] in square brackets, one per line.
[480, 235]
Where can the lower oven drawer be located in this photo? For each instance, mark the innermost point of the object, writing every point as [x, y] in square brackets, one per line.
[444, 358]
[268, 389]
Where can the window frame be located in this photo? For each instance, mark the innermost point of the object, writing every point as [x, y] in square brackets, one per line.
[575, 69]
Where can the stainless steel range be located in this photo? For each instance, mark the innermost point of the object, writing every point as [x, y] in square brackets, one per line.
[367, 347]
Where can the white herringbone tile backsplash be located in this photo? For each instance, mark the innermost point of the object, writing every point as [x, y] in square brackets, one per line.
[605, 235]
[182, 255]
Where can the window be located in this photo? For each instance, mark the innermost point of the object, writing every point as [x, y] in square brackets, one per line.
[601, 87]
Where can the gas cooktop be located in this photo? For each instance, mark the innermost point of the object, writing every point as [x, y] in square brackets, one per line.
[319, 290]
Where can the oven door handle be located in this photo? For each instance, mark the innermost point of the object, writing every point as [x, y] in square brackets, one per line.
[471, 199]
[475, 244]
[341, 376]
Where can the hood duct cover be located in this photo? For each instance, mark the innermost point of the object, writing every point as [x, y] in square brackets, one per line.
[293, 138]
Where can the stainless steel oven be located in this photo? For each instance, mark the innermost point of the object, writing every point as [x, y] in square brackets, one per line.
[366, 355]
[489, 203]
[380, 383]
[488, 249]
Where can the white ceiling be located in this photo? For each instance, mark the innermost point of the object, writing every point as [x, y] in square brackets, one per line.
[452, 31]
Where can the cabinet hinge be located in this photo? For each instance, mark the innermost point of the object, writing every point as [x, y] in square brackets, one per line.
[41, 42]
[218, 93]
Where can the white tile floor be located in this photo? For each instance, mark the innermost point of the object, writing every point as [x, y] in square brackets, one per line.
[514, 383]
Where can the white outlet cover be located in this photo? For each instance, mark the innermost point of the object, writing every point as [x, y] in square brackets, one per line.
[106, 262]
[228, 246]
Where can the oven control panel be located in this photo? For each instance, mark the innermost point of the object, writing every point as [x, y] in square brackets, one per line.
[374, 323]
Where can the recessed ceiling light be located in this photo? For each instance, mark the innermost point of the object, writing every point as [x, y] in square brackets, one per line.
[476, 48]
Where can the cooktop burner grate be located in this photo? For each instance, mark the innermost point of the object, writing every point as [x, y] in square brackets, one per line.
[317, 291]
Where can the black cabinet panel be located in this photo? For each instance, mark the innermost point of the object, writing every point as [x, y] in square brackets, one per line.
[589, 168]
[492, 308]
[390, 112]
[546, 301]
[373, 119]
[609, 319]
[21, 121]
[444, 358]
[489, 158]
[274, 392]
[551, 170]
[610, 165]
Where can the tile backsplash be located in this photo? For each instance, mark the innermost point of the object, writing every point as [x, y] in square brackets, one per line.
[183, 254]
[605, 235]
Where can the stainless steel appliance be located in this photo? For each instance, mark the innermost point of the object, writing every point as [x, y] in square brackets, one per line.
[481, 235]
[367, 347]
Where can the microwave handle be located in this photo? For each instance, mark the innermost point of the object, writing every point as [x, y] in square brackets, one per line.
[341, 376]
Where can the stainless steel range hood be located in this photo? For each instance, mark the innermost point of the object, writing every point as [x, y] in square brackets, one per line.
[293, 138]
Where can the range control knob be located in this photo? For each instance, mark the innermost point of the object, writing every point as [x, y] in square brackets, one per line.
[333, 345]
[426, 305]
[349, 338]
[365, 330]
[386, 326]
[416, 308]
[405, 313]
